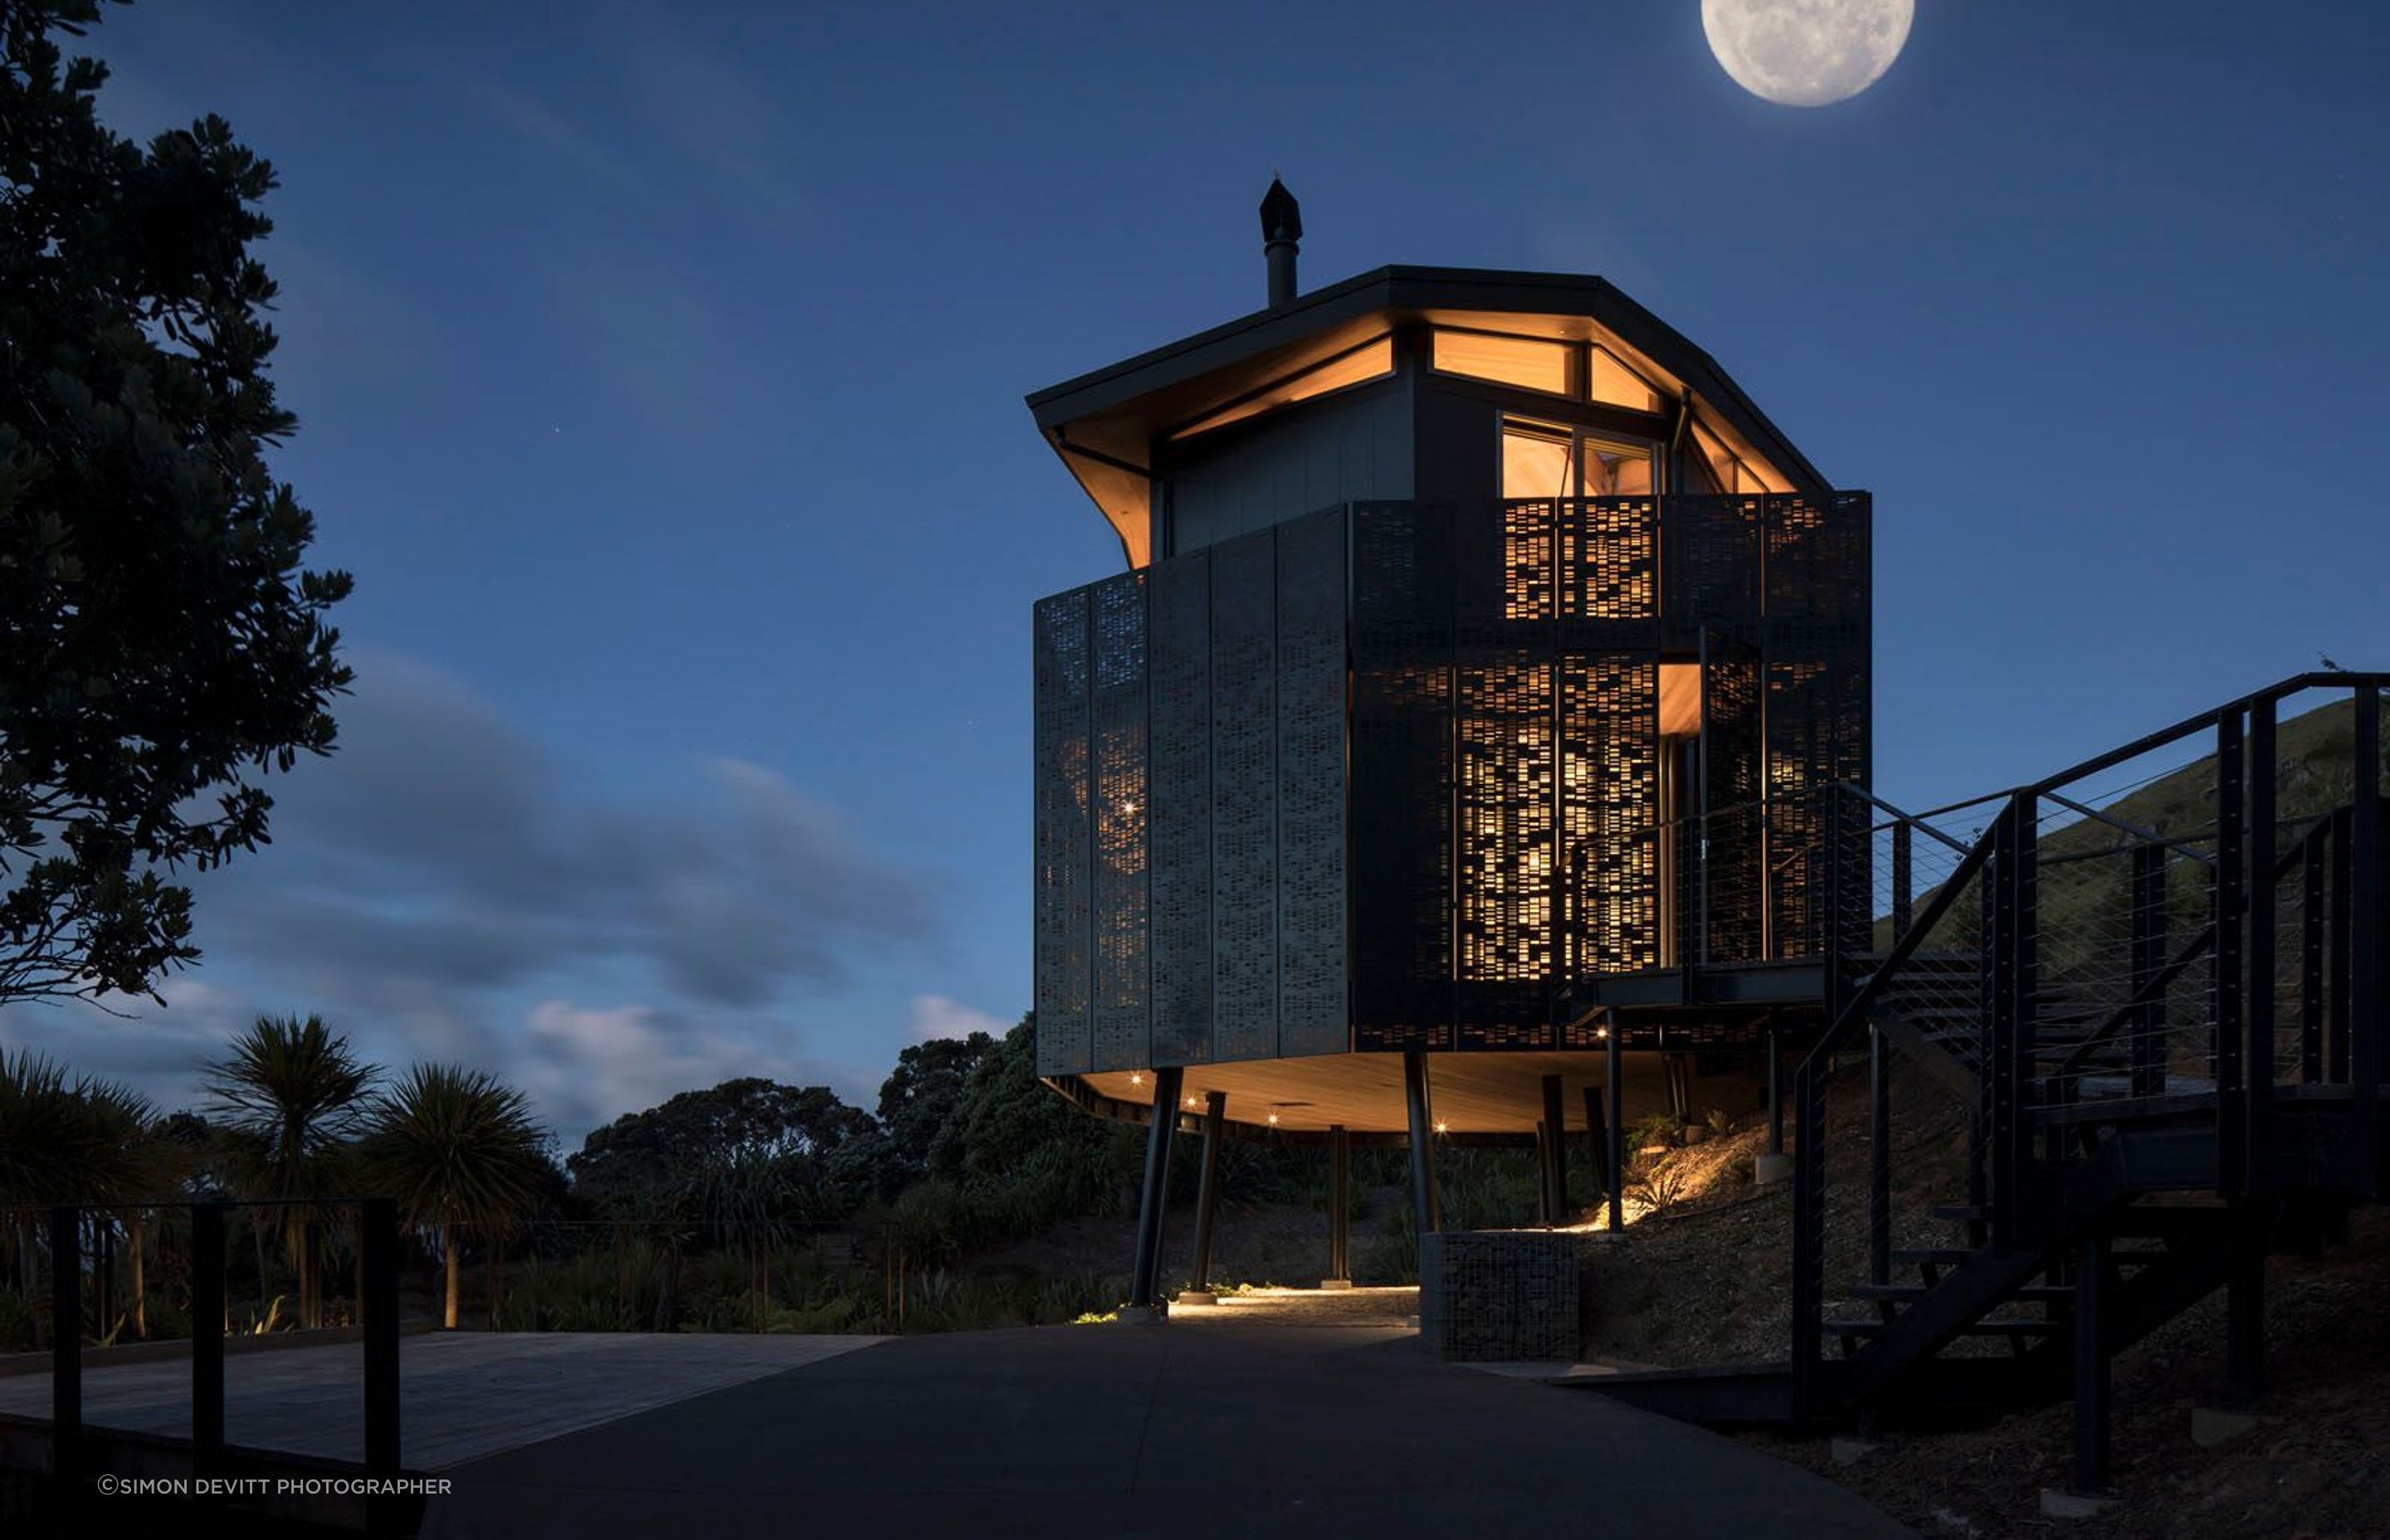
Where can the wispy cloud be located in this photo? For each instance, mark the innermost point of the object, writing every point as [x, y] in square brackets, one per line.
[935, 1016]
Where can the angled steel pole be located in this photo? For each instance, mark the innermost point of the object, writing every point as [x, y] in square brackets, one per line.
[1207, 1192]
[1424, 1212]
[1155, 1195]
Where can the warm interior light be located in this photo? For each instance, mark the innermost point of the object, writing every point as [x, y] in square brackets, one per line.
[1615, 384]
[1443, 1127]
[1520, 361]
[1272, 1118]
[1137, 1077]
[1680, 700]
[1370, 361]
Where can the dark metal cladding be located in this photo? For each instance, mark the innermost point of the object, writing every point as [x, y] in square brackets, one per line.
[1124, 1013]
[1402, 776]
[1314, 1008]
[1729, 904]
[1064, 839]
[1244, 797]
[1179, 664]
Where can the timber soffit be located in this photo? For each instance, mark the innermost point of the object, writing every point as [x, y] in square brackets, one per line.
[1402, 291]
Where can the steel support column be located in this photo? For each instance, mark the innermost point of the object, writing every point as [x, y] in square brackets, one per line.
[1340, 1204]
[1207, 1190]
[2231, 989]
[2092, 1377]
[1775, 1094]
[1555, 1154]
[1613, 1090]
[2258, 958]
[2244, 1307]
[1154, 1197]
[1424, 1212]
[1597, 1140]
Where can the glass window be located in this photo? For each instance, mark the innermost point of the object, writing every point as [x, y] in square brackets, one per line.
[1369, 362]
[1549, 459]
[1616, 469]
[1507, 360]
[1539, 459]
[1613, 384]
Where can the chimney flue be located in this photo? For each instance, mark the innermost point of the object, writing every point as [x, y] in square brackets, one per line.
[1281, 228]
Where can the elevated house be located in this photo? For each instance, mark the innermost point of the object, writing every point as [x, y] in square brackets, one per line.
[1475, 747]
[1449, 751]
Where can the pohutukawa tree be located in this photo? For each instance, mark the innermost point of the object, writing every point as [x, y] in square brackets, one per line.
[161, 647]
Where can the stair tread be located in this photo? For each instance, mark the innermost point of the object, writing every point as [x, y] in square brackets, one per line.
[1979, 1328]
[1895, 1291]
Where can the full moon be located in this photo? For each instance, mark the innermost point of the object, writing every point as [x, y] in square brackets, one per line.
[1807, 52]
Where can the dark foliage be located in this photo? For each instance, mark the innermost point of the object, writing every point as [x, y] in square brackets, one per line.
[161, 649]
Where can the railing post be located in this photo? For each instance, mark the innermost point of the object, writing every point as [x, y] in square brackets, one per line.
[66, 1349]
[1613, 1126]
[1878, 1158]
[2231, 1006]
[1808, 1235]
[1999, 1059]
[207, 1336]
[1904, 882]
[2312, 953]
[2336, 1017]
[2258, 958]
[2150, 927]
[378, 1259]
[2365, 918]
[1339, 1204]
[2025, 928]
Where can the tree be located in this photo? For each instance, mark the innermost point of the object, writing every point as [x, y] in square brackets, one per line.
[290, 1097]
[460, 1153]
[61, 1141]
[921, 1103]
[161, 649]
[745, 1148]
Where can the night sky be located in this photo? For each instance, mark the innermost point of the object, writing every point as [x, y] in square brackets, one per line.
[659, 376]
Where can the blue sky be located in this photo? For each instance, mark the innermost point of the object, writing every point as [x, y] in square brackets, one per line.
[660, 374]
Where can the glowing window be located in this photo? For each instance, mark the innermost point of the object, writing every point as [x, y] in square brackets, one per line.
[1506, 360]
[1369, 362]
[1616, 469]
[1539, 459]
[1613, 384]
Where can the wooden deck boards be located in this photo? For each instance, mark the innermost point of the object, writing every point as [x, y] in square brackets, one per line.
[464, 1395]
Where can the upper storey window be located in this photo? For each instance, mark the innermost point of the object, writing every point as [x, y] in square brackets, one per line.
[1550, 460]
[1581, 371]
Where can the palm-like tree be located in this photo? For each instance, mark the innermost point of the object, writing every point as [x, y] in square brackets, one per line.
[460, 1152]
[291, 1096]
[62, 1141]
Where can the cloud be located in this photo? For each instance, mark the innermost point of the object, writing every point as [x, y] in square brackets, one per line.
[586, 1066]
[934, 1015]
[441, 851]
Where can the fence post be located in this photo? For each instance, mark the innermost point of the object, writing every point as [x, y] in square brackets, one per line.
[2312, 952]
[1879, 1157]
[207, 1336]
[66, 1348]
[1809, 1234]
[1903, 880]
[2024, 1027]
[379, 1256]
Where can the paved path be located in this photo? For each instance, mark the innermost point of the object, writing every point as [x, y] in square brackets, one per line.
[1138, 1430]
[462, 1396]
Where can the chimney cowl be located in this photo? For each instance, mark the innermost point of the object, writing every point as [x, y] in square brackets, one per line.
[1281, 228]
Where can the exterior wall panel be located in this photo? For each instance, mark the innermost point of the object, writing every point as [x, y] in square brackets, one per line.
[1123, 1017]
[1179, 779]
[1244, 798]
[1314, 1006]
[1065, 907]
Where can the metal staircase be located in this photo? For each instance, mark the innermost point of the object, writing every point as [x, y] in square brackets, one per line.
[2157, 1045]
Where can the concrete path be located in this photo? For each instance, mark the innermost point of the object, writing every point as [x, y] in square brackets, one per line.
[1138, 1430]
[462, 1396]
